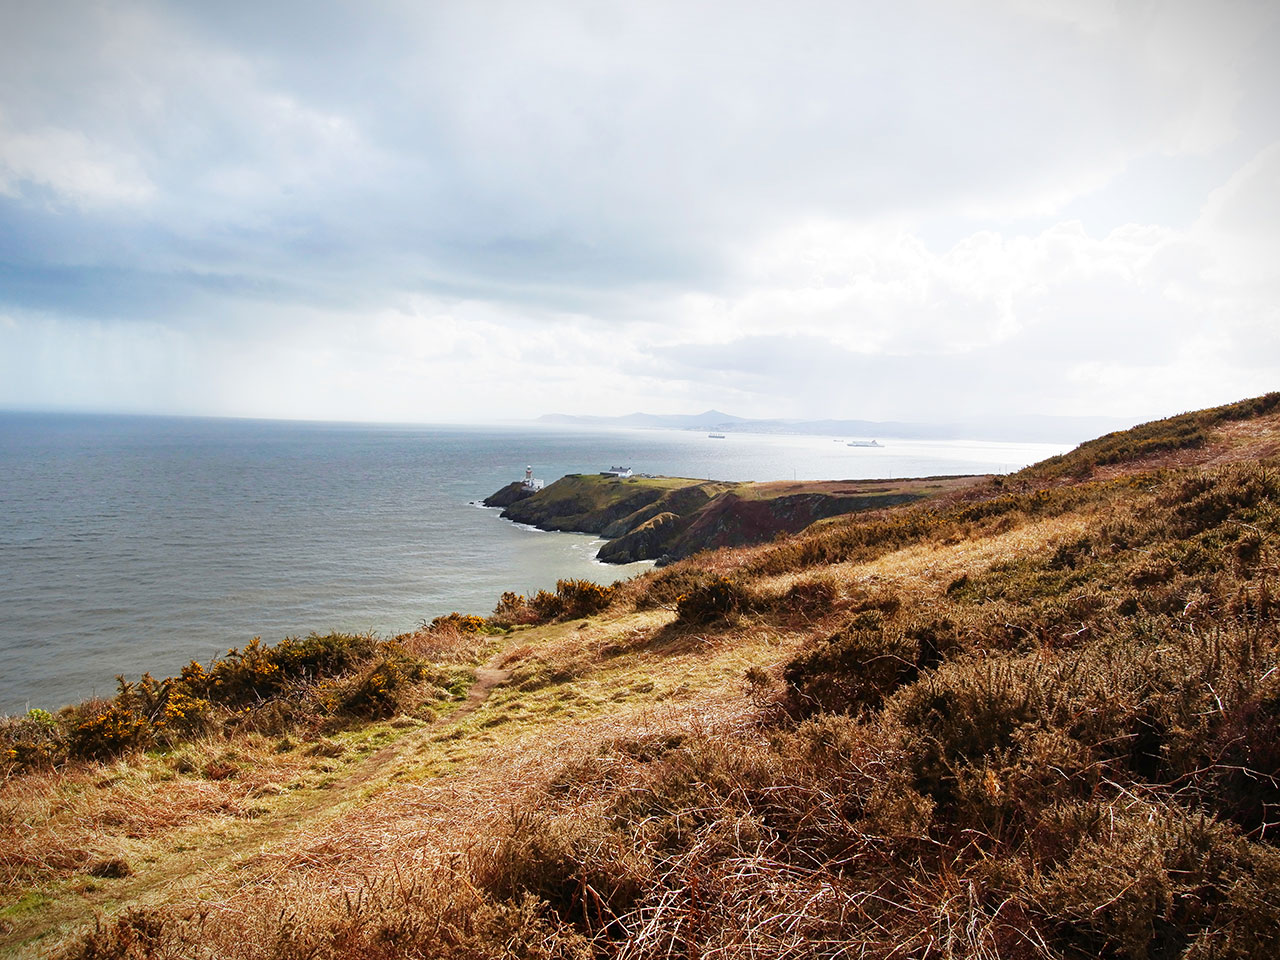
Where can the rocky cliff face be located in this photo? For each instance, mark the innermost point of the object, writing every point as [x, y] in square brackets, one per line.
[649, 541]
[513, 491]
[667, 519]
[734, 521]
[682, 502]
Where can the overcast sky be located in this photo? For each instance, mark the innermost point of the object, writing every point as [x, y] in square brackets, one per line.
[455, 211]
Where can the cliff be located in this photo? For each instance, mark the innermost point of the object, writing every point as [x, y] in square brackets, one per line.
[594, 503]
[513, 491]
[733, 520]
[669, 518]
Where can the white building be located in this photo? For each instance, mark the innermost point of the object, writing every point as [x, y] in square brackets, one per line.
[530, 482]
[623, 472]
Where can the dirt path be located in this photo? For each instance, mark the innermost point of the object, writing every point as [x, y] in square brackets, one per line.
[486, 679]
[181, 869]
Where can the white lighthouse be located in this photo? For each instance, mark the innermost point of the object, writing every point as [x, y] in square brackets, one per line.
[530, 482]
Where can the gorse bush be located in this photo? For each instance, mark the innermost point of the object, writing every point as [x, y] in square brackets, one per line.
[103, 733]
[582, 598]
[34, 740]
[1242, 778]
[854, 669]
[571, 599]
[382, 688]
[1152, 880]
[183, 716]
[664, 587]
[298, 683]
[466, 622]
[714, 600]
[259, 671]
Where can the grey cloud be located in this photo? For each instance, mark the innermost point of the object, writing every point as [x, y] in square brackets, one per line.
[589, 146]
[200, 164]
[823, 378]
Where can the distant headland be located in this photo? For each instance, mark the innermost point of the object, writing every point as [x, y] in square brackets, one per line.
[1018, 428]
[668, 518]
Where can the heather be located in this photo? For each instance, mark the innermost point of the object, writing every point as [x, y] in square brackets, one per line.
[1033, 717]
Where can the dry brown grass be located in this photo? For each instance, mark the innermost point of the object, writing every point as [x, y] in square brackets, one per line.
[53, 824]
[926, 569]
[445, 643]
[1073, 756]
[440, 784]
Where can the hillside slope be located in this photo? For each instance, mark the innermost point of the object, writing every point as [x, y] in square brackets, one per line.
[1034, 717]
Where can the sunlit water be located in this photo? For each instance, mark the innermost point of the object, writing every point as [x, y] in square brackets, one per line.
[131, 544]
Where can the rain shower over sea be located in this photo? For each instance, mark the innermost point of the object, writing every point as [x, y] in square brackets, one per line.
[131, 544]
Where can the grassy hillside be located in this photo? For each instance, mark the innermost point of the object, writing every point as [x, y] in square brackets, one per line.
[1035, 716]
[1160, 439]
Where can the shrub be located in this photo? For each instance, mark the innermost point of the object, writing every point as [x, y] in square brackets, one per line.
[572, 599]
[811, 598]
[258, 672]
[314, 657]
[1150, 880]
[544, 606]
[574, 864]
[183, 716]
[961, 715]
[511, 609]
[244, 675]
[854, 669]
[1244, 776]
[33, 740]
[1205, 500]
[712, 601]
[134, 935]
[380, 690]
[665, 587]
[464, 622]
[105, 731]
[582, 598]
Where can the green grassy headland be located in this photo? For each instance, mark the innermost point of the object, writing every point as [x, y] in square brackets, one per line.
[668, 518]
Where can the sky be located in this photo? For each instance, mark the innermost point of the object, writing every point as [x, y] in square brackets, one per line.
[468, 211]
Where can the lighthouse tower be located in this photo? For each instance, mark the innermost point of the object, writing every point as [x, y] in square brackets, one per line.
[530, 482]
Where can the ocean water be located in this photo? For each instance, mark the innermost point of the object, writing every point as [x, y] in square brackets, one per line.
[131, 544]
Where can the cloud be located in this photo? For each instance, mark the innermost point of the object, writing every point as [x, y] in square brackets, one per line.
[71, 167]
[445, 210]
[841, 317]
[1240, 220]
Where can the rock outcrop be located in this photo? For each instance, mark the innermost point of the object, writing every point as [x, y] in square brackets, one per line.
[649, 541]
[513, 491]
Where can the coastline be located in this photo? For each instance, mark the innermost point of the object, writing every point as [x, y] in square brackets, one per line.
[666, 519]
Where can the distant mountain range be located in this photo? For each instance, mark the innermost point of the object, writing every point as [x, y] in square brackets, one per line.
[1026, 428]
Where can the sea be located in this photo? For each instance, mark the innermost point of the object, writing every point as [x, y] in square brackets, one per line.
[132, 544]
